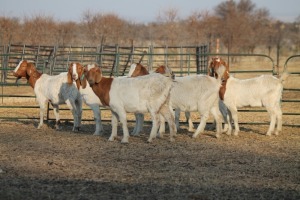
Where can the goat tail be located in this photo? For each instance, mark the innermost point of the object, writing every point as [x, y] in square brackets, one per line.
[220, 71]
[284, 76]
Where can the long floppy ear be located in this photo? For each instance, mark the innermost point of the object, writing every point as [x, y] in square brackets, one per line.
[226, 73]
[78, 84]
[29, 68]
[209, 70]
[70, 80]
[98, 76]
[83, 78]
[83, 82]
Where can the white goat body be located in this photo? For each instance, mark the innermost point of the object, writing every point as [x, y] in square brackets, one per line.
[265, 90]
[136, 69]
[197, 93]
[189, 94]
[148, 93]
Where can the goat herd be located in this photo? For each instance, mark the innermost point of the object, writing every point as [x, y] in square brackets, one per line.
[158, 93]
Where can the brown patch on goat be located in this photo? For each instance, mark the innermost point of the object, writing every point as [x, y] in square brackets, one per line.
[139, 70]
[165, 71]
[100, 85]
[28, 71]
[214, 65]
[161, 69]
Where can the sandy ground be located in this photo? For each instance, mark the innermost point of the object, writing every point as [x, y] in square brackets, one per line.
[50, 164]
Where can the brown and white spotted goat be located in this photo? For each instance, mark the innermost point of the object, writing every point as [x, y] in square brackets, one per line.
[54, 89]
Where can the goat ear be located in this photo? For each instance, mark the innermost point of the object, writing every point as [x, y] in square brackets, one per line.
[98, 76]
[70, 80]
[29, 68]
[83, 82]
[78, 84]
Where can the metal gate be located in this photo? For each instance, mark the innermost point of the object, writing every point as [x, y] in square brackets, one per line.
[11, 108]
[15, 102]
[291, 92]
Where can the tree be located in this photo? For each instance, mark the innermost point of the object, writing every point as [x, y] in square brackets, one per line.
[8, 28]
[39, 30]
[103, 27]
[241, 24]
[168, 22]
[66, 33]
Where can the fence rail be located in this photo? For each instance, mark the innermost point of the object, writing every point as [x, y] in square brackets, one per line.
[184, 63]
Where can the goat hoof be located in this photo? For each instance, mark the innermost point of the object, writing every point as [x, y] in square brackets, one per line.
[191, 130]
[124, 141]
[195, 136]
[149, 140]
[111, 139]
[96, 133]
[218, 135]
[236, 133]
[172, 139]
[268, 134]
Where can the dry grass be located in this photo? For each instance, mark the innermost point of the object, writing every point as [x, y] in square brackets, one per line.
[50, 164]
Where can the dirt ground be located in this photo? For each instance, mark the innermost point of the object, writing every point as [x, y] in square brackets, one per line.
[50, 164]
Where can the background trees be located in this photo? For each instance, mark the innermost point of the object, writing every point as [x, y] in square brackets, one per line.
[238, 25]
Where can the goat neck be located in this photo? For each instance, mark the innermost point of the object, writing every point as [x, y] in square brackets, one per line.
[99, 84]
[33, 77]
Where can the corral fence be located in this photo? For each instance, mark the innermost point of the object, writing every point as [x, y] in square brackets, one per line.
[114, 60]
[183, 61]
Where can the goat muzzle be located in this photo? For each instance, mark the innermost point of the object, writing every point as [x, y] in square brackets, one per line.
[74, 76]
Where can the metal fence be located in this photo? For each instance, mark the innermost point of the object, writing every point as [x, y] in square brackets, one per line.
[291, 92]
[114, 60]
[182, 63]
[54, 59]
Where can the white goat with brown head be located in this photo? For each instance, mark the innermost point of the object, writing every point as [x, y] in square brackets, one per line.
[148, 93]
[53, 89]
[262, 91]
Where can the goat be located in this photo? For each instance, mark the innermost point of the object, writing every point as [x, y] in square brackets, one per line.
[75, 73]
[197, 93]
[148, 93]
[54, 89]
[263, 91]
[136, 69]
[186, 97]
[214, 65]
